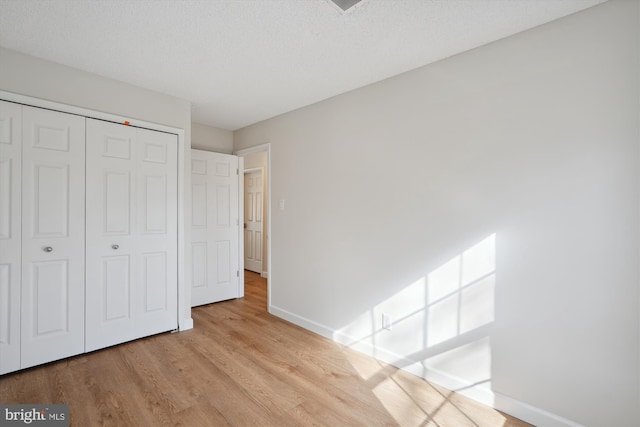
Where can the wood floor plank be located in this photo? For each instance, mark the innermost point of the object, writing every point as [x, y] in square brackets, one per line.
[241, 366]
[202, 414]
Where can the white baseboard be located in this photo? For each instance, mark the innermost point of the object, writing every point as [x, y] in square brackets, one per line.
[301, 321]
[496, 400]
[264, 274]
[185, 324]
[529, 413]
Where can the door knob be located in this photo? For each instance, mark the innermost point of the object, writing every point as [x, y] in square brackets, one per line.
[115, 247]
[48, 249]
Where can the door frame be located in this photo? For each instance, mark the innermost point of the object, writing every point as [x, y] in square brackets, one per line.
[185, 321]
[253, 170]
[266, 147]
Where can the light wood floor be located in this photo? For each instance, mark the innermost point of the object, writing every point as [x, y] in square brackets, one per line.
[241, 366]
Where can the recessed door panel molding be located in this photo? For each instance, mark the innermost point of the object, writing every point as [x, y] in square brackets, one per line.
[117, 201]
[199, 205]
[248, 243]
[155, 281]
[53, 203]
[198, 167]
[215, 227]
[51, 200]
[117, 147]
[155, 204]
[10, 234]
[9, 121]
[258, 246]
[5, 304]
[223, 205]
[249, 204]
[223, 169]
[50, 297]
[199, 264]
[142, 200]
[155, 153]
[6, 199]
[49, 136]
[109, 317]
[116, 287]
[258, 204]
[223, 262]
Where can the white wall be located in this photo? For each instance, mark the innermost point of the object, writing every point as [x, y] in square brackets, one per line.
[31, 76]
[210, 138]
[532, 140]
[38, 78]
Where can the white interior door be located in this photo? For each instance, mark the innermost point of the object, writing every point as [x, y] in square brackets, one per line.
[253, 224]
[215, 227]
[131, 233]
[53, 201]
[10, 239]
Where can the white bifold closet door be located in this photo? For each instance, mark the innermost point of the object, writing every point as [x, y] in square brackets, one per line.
[53, 199]
[131, 242]
[10, 238]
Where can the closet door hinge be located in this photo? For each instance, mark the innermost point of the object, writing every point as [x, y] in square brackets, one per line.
[237, 171]
[237, 273]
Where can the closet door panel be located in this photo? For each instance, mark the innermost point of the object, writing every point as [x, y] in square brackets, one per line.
[10, 240]
[111, 243]
[158, 221]
[52, 320]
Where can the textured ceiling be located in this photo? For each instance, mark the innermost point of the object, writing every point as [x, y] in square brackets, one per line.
[242, 61]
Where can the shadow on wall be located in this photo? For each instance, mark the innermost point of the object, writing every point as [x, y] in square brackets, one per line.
[439, 326]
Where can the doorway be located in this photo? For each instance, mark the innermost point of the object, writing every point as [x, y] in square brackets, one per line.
[255, 159]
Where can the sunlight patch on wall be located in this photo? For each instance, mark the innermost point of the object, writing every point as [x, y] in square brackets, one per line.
[470, 363]
[461, 293]
[436, 327]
